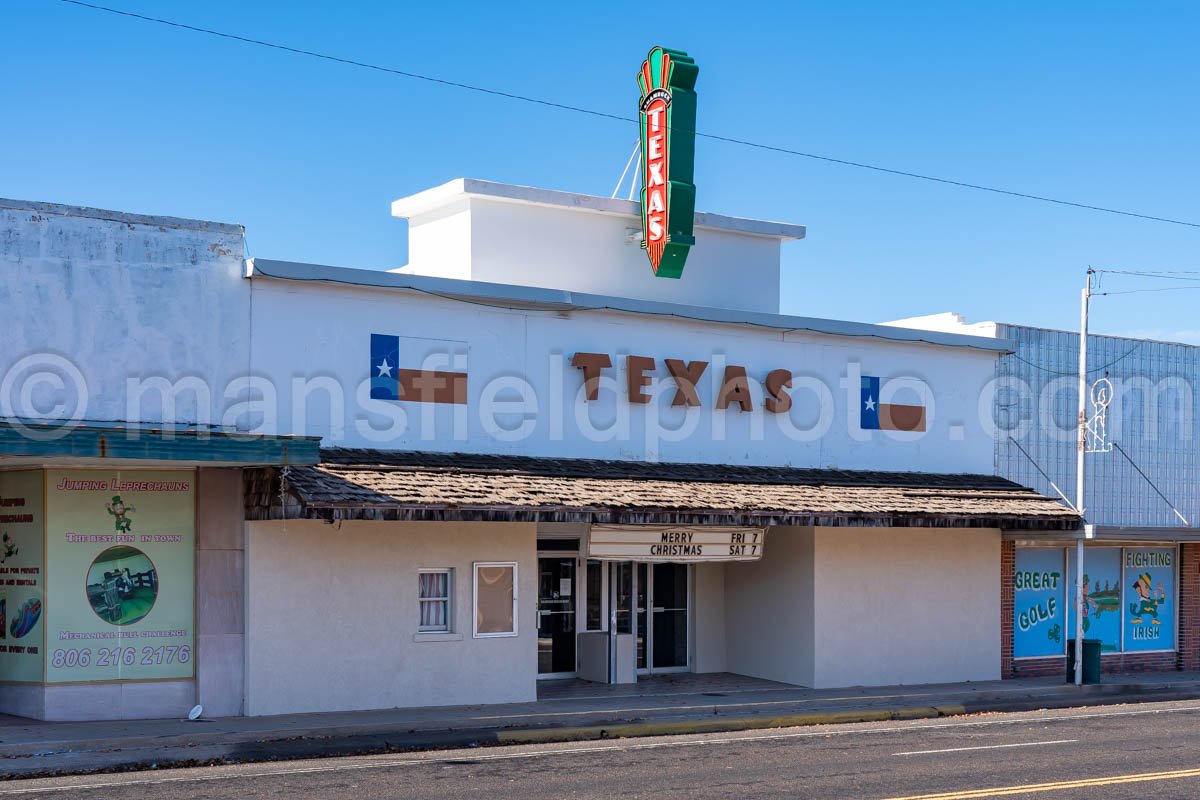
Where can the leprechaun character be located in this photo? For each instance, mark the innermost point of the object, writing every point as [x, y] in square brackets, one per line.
[1150, 602]
[9, 548]
[120, 512]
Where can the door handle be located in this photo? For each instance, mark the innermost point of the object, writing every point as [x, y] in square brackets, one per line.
[658, 609]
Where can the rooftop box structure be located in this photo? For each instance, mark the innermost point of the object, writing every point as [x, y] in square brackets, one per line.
[498, 233]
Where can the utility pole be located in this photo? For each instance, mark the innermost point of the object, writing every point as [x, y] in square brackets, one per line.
[1079, 456]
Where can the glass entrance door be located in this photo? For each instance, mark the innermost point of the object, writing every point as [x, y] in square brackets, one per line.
[661, 613]
[556, 615]
[669, 616]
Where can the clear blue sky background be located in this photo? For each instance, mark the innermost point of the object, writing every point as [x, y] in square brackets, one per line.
[1093, 102]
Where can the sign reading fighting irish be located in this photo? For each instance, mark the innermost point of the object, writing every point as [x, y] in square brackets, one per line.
[668, 130]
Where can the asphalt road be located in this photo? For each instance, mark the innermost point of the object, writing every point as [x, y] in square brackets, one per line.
[1142, 751]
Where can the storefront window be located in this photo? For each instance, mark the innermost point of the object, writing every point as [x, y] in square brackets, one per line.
[1150, 599]
[623, 591]
[595, 595]
[433, 590]
[1038, 583]
[1129, 599]
[120, 576]
[1101, 596]
[495, 599]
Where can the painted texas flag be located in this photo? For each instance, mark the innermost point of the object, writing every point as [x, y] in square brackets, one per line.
[877, 416]
[434, 370]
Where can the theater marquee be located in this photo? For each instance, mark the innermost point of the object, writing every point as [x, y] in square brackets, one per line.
[675, 543]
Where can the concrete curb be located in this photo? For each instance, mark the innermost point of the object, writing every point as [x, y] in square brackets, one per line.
[720, 724]
[143, 752]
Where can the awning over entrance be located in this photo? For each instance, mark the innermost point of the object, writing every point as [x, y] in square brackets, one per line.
[390, 485]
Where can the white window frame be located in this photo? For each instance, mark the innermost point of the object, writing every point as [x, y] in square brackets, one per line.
[475, 567]
[449, 600]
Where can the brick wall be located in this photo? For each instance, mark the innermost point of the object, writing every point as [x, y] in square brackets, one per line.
[1110, 664]
[1008, 562]
[1039, 667]
[1189, 607]
[1187, 658]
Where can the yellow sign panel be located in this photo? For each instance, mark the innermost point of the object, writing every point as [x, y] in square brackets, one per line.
[120, 547]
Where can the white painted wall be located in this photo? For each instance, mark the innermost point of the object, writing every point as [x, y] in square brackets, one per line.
[581, 243]
[905, 605]
[708, 626]
[507, 346]
[769, 612]
[220, 592]
[331, 616]
[99, 297]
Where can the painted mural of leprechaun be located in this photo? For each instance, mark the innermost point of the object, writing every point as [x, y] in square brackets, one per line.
[1150, 600]
[119, 511]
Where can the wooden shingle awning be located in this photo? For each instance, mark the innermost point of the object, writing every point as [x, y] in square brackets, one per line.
[393, 485]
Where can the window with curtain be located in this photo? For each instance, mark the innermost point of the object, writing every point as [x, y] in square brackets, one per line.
[433, 591]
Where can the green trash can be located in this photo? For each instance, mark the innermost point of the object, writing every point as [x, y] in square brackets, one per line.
[1091, 661]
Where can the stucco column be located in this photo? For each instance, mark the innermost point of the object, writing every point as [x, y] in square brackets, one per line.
[220, 592]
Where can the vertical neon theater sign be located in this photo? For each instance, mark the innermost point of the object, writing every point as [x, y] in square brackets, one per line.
[668, 129]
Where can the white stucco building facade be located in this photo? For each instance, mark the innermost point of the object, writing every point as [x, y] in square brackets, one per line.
[520, 457]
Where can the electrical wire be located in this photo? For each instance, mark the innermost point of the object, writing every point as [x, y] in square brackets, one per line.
[1140, 291]
[1091, 370]
[620, 118]
[1170, 275]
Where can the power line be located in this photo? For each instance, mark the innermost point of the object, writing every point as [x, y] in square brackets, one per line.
[620, 118]
[1170, 275]
[1101, 368]
[1140, 291]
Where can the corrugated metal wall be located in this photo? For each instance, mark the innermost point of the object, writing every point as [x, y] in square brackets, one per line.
[1152, 417]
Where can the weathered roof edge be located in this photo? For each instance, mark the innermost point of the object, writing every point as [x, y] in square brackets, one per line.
[436, 198]
[266, 486]
[561, 300]
[126, 217]
[413, 513]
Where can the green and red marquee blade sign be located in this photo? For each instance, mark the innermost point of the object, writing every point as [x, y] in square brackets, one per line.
[668, 126]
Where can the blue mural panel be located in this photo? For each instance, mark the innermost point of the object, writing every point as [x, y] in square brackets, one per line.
[1038, 602]
[1101, 596]
[1150, 598]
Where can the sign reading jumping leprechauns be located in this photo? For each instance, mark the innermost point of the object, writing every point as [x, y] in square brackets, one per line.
[120, 550]
[668, 136]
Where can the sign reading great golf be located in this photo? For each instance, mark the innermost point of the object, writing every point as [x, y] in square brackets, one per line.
[668, 130]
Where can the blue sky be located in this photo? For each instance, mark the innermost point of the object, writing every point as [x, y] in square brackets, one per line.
[1084, 101]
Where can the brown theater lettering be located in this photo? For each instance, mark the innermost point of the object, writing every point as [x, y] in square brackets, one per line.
[639, 374]
[591, 364]
[686, 376]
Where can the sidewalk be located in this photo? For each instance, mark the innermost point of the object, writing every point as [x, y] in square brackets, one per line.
[567, 710]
